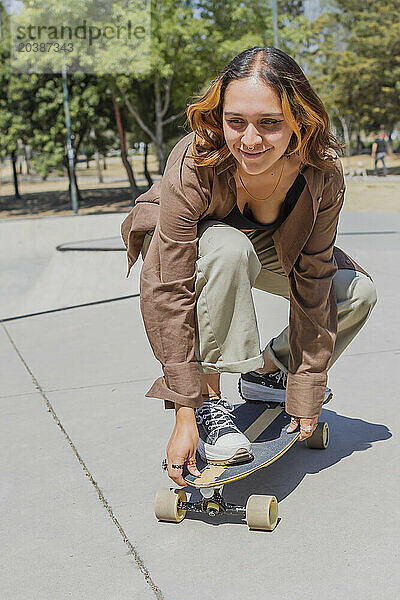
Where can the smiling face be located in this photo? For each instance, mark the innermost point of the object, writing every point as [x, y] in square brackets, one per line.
[254, 127]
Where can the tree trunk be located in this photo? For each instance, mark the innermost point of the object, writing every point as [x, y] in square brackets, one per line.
[15, 176]
[146, 172]
[346, 133]
[27, 152]
[124, 156]
[96, 155]
[359, 142]
[159, 113]
[389, 142]
[104, 162]
[98, 167]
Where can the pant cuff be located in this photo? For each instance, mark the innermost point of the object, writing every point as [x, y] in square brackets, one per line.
[241, 366]
[271, 354]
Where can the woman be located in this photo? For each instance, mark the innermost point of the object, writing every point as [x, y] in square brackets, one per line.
[250, 198]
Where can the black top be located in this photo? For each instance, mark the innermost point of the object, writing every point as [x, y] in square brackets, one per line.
[246, 220]
[381, 145]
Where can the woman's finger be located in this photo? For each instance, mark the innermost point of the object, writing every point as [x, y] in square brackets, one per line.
[175, 466]
[293, 425]
[175, 470]
[192, 467]
[307, 428]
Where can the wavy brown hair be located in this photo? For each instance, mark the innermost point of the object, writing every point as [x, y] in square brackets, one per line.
[311, 141]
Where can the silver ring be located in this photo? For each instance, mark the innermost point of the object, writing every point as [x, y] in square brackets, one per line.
[306, 429]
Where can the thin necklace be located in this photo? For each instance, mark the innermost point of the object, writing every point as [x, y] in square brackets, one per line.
[269, 195]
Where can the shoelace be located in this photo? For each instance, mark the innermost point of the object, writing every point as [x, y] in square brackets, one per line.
[278, 376]
[216, 415]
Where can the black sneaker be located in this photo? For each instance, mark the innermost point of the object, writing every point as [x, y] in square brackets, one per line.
[268, 387]
[220, 441]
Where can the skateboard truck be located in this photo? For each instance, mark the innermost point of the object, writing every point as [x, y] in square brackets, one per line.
[212, 504]
[260, 512]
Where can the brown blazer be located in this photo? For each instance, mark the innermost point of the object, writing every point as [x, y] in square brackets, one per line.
[304, 243]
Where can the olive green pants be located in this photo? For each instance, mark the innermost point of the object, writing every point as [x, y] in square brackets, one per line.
[230, 262]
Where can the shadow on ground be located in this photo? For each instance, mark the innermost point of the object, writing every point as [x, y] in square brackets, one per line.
[57, 202]
[93, 201]
[390, 171]
[280, 479]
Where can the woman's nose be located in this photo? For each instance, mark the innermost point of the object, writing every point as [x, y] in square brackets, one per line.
[251, 137]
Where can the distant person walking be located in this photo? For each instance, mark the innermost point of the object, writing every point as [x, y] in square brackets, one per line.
[379, 152]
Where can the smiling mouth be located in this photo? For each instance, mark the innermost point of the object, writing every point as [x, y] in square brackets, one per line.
[253, 153]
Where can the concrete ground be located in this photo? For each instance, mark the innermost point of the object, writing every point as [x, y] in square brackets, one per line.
[81, 446]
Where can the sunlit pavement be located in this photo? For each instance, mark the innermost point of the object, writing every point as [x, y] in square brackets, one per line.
[81, 446]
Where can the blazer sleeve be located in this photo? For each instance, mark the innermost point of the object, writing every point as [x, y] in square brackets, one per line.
[168, 288]
[313, 307]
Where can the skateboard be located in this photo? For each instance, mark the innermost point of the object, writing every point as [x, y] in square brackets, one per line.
[265, 425]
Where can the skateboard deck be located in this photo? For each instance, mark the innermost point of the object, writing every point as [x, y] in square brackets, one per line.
[265, 426]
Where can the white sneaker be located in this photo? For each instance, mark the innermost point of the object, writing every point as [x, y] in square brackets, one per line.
[220, 440]
[268, 387]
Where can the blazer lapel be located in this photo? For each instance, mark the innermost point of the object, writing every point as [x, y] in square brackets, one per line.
[292, 235]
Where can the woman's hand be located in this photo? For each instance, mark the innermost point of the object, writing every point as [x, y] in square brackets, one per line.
[307, 426]
[182, 445]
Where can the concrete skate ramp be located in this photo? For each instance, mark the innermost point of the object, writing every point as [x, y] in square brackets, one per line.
[73, 278]
[65, 275]
[110, 244]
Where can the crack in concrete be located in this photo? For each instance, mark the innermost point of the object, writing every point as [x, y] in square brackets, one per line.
[99, 385]
[394, 350]
[24, 395]
[82, 387]
[135, 554]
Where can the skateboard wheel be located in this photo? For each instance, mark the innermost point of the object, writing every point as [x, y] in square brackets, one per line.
[166, 505]
[262, 512]
[320, 438]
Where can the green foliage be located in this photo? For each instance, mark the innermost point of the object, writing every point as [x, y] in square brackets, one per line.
[354, 61]
[351, 54]
[51, 159]
[189, 48]
[234, 26]
[87, 37]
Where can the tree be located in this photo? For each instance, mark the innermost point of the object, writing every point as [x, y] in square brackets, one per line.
[9, 130]
[191, 42]
[157, 99]
[354, 63]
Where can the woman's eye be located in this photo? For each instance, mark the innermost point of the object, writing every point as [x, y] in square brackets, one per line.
[267, 122]
[271, 122]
